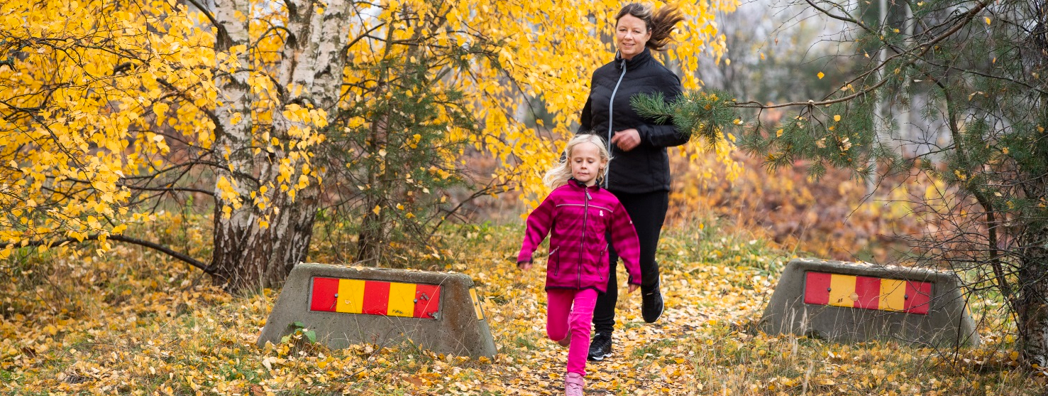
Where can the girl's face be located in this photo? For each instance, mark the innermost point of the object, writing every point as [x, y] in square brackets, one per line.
[586, 163]
[631, 34]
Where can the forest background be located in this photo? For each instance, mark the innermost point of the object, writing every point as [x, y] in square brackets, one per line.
[165, 166]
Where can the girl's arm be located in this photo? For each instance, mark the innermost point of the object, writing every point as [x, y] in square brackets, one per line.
[624, 239]
[539, 223]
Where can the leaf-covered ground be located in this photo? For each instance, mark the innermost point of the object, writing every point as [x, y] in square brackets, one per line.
[137, 323]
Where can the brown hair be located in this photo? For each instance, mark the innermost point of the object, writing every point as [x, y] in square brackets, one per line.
[660, 23]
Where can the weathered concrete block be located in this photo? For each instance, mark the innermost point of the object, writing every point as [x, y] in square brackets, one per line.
[850, 302]
[351, 305]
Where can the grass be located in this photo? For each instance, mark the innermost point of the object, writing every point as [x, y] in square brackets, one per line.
[133, 322]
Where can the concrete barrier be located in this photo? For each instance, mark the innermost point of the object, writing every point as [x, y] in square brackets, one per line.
[849, 302]
[352, 305]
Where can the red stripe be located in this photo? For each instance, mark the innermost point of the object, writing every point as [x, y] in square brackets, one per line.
[325, 291]
[427, 301]
[868, 289]
[376, 298]
[817, 288]
[918, 295]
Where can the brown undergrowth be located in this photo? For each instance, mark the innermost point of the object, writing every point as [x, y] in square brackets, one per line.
[133, 322]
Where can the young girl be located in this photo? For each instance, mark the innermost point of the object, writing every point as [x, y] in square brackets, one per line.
[580, 215]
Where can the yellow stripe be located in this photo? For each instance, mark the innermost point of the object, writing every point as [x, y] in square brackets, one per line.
[892, 296]
[842, 290]
[401, 299]
[350, 296]
[476, 304]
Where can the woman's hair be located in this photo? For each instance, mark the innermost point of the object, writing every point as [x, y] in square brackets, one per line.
[560, 174]
[660, 22]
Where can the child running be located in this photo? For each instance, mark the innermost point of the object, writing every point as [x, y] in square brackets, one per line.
[581, 216]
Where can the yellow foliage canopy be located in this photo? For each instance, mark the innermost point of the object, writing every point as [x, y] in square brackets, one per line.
[88, 104]
[106, 104]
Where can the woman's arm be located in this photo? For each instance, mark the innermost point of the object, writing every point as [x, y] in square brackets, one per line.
[667, 134]
[586, 120]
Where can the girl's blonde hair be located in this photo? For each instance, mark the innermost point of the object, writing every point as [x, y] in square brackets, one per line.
[560, 174]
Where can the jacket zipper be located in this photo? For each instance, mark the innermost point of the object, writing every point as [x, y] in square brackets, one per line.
[611, 117]
[582, 243]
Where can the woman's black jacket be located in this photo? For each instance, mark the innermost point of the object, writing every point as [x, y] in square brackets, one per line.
[646, 168]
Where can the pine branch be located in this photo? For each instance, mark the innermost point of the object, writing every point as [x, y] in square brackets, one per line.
[703, 114]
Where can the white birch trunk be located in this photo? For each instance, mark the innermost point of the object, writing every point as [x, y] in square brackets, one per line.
[248, 256]
[232, 138]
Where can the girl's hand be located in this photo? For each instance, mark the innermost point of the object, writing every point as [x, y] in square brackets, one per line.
[633, 287]
[524, 266]
[626, 139]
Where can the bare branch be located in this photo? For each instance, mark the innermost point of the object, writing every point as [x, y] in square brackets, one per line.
[917, 51]
[134, 241]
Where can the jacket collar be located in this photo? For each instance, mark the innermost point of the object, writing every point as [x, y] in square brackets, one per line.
[576, 183]
[637, 60]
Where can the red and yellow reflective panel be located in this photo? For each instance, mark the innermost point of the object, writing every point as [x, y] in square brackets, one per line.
[376, 299]
[352, 293]
[867, 292]
[427, 299]
[841, 290]
[893, 295]
[358, 296]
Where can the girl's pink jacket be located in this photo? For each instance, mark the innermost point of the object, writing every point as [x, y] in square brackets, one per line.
[580, 217]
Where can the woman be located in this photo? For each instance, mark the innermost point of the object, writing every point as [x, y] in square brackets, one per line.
[640, 175]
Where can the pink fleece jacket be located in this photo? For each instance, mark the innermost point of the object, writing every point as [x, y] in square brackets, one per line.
[579, 218]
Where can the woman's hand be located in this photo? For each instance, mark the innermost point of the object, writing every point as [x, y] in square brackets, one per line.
[524, 266]
[626, 139]
[633, 287]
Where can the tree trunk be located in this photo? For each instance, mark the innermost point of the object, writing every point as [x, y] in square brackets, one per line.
[1032, 304]
[250, 255]
[372, 237]
[234, 223]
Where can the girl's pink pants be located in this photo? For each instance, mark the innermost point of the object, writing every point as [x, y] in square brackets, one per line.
[571, 310]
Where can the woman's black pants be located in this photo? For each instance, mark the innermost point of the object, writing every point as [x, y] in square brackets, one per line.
[648, 212]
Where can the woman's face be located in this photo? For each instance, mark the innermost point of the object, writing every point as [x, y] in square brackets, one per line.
[631, 34]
